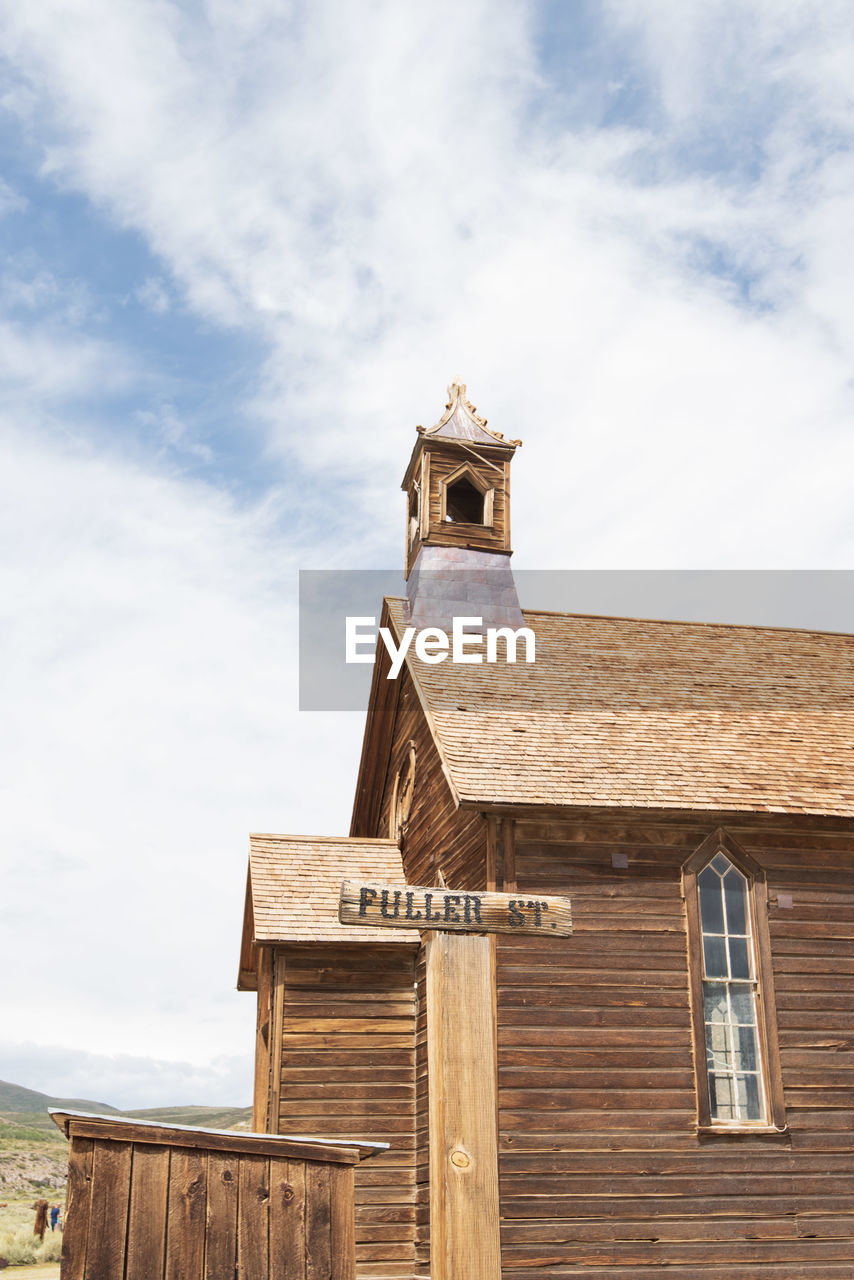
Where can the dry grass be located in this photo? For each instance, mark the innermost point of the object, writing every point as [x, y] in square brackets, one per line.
[18, 1245]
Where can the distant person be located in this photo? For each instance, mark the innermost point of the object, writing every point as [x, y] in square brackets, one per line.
[54, 1217]
[41, 1207]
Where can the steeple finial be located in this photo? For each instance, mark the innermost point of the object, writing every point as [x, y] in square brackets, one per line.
[457, 396]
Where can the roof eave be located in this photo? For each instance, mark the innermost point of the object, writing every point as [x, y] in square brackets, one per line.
[247, 972]
[536, 809]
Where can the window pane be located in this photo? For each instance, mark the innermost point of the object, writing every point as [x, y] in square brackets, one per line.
[715, 1002]
[721, 1097]
[718, 1046]
[711, 901]
[735, 893]
[720, 863]
[746, 1042]
[714, 954]
[742, 1004]
[739, 960]
[752, 1107]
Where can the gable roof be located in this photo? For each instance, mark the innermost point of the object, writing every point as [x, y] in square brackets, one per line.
[636, 713]
[292, 891]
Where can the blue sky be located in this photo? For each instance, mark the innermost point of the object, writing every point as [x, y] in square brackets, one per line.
[246, 246]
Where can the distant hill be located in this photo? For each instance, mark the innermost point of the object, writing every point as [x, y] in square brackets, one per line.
[14, 1097]
[209, 1117]
[34, 1152]
[29, 1107]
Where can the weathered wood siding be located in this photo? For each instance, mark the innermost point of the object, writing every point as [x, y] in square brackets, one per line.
[348, 1070]
[603, 1173]
[438, 834]
[422, 1123]
[264, 1085]
[443, 461]
[155, 1203]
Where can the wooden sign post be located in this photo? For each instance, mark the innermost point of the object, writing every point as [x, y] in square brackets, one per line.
[452, 910]
[465, 1241]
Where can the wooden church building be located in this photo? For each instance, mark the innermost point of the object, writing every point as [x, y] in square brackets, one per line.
[669, 1088]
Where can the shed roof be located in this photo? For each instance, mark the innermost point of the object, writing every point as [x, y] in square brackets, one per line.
[293, 886]
[88, 1124]
[630, 712]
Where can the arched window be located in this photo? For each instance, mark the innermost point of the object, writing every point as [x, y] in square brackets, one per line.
[735, 1032]
[402, 796]
[733, 1055]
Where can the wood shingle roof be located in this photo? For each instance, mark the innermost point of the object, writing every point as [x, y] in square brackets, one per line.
[629, 712]
[294, 882]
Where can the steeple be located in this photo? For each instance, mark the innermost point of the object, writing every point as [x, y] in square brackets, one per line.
[457, 488]
[458, 483]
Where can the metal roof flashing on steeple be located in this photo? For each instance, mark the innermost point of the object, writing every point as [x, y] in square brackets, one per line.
[461, 421]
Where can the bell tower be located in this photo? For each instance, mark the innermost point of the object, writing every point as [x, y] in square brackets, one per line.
[457, 488]
[457, 483]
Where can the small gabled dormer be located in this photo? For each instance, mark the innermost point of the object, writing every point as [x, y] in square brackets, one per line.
[458, 483]
[467, 497]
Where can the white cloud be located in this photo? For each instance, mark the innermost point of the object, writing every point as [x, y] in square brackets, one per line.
[154, 295]
[10, 200]
[149, 694]
[167, 425]
[388, 200]
[124, 1081]
[46, 363]
[743, 58]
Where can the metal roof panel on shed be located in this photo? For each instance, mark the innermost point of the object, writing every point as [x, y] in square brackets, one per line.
[133, 1129]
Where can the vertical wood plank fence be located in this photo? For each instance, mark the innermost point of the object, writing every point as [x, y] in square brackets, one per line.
[167, 1202]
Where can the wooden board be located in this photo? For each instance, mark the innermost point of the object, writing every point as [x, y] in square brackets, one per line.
[146, 1229]
[342, 1223]
[453, 910]
[78, 1203]
[464, 1214]
[221, 1242]
[185, 1241]
[287, 1219]
[110, 1188]
[253, 1218]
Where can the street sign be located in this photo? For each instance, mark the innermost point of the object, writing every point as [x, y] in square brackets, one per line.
[453, 910]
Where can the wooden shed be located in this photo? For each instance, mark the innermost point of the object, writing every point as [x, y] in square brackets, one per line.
[672, 1085]
[148, 1201]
